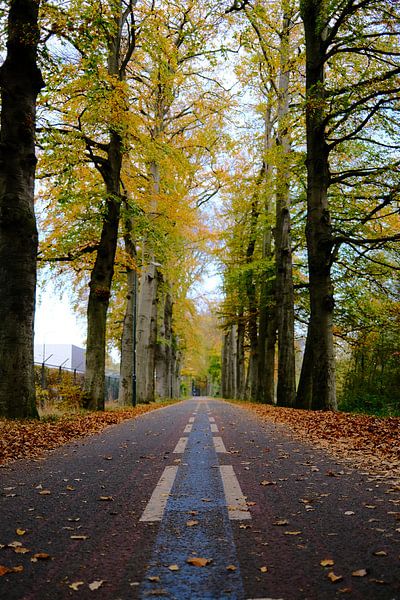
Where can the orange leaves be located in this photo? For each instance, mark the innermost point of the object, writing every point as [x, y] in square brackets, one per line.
[29, 439]
[198, 561]
[366, 439]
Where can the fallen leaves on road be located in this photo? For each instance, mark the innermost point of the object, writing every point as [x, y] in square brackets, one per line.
[367, 441]
[174, 567]
[4, 570]
[327, 562]
[76, 585]
[95, 585]
[31, 439]
[360, 573]
[198, 561]
[334, 578]
[191, 523]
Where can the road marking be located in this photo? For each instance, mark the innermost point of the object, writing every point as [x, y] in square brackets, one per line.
[188, 428]
[214, 428]
[211, 419]
[154, 510]
[219, 444]
[181, 445]
[191, 419]
[236, 502]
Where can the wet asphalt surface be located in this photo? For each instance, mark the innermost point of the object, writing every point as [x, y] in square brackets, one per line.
[82, 505]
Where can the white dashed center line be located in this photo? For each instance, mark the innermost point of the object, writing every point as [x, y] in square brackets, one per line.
[214, 428]
[188, 428]
[219, 444]
[156, 505]
[191, 419]
[211, 419]
[236, 502]
[181, 445]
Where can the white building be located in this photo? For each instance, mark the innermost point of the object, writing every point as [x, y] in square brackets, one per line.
[67, 356]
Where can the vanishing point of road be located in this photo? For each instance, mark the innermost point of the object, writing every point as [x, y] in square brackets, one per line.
[198, 500]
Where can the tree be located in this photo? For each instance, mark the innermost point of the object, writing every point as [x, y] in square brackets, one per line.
[337, 113]
[20, 83]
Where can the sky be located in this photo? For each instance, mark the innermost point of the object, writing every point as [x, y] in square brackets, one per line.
[56, 322]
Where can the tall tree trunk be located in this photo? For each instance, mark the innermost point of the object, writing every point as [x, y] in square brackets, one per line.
[20, 83]
[147, 307]
[101, 279]
[304, 389]
[164, 366]
[127, 376]
[267, 302]
[147, 334]
[251, 292]
[240, 383]
[103, 270]
[286, 387]
[318, 228]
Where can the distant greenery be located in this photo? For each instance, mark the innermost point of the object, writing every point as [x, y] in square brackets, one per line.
[371, 382]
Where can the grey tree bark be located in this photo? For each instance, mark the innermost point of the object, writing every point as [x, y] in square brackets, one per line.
[286, 384]
[318, 228]
[164, 367]
[127, 363]
[20, 83]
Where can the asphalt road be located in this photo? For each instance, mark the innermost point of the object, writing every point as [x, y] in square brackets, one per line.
[119, 515]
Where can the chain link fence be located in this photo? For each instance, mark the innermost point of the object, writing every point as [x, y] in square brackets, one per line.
[58, 384]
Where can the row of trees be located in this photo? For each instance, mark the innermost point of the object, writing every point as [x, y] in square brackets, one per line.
[326, 79]
[141, 124]
[127, 135]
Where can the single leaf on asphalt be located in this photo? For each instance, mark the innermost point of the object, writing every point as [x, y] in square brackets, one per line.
[78, 537]
[191, 523]
[334, 578]
[106, 498]
[281, 522]
[264, 569]
[4, 570]
[349, 512]
[95, 585]
[231, 568]
[76, 585]
[15, 545]
[198, 561]
[45, 492]
[265, 482]
[21, 550]
[293, 532]
[327, 562]
[153, 578]
[380, 553]
[360, 573]
[173, 567]
[40, 556]
[20, 531]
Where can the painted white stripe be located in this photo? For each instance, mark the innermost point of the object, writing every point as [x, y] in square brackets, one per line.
[236, 502]
[219, 444]
[211, 419]
[188, 428]
[214, 428]
[191, 419]
[181, 445]
[156, 505]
